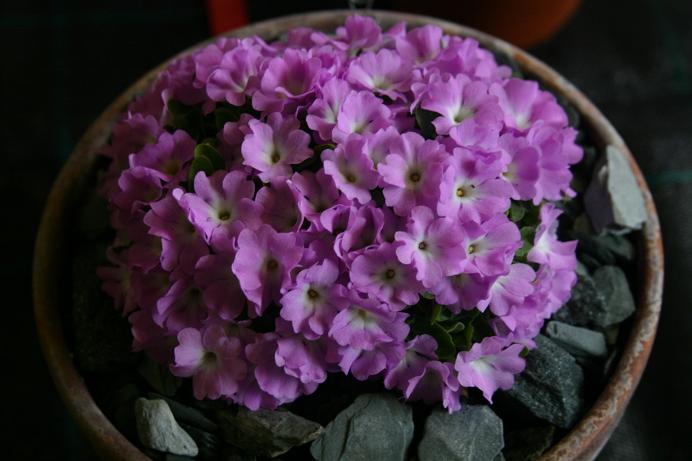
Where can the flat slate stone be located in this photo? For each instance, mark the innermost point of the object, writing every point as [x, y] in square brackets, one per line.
[585, 305]
[612, 284]
[608, 248]
[266, 432]
[157, 429]
[472, 433]
[580, 342]
[551, 385]
[375, 427]
[613, 197]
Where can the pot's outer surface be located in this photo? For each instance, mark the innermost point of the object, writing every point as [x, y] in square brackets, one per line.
[583, 442]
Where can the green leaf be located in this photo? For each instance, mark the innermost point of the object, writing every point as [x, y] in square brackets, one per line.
[527, 236]
[187, 118]
[516, 211]
[424, 120]
[208, 151]
[199, 164]
[322, 147]
[446, 349]
[524, 352]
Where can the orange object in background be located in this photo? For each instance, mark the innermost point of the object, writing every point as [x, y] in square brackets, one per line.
[525, 23]
[226, 15]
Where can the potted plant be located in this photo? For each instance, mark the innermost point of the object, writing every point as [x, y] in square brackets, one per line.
[382, 206]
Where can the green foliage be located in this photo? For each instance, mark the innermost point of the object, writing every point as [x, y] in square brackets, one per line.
[424, 120]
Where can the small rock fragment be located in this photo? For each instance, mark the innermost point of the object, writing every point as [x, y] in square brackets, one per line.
[580, 342]
[551, 385]
[186, 414]
[472, 433]
[585, 304]
[374, 427]
[607, 248]
[611, 283]
[266, 432]
[529, 444]
[613, 198]
[158, 429]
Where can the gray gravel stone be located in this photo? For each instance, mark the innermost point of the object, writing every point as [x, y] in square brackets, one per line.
[472, 433]
[613, 198]
[611, 283]
[374, 427]
[266, 432]
[158, 429]
[551, 386]
[585, 304]
[580, 342]
[528, 444]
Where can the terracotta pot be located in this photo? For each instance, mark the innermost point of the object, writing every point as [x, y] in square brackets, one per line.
[582, 443]
[523, 23]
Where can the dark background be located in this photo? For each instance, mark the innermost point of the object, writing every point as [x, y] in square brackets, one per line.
[63, 61]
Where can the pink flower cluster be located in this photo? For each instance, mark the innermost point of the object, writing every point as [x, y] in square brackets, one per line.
[351, 214]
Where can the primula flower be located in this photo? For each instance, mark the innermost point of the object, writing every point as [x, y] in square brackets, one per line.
[490, 246]
[130, 135]
[557, 151]
[510, 289]
[116, 281]
[181, 244]
[432, 245]
[182, 305]
[463, 291]
[365, 363]
[436, 382]
[236, 76]
[212, 359]
[365, 323]
[263, 264]
[272, 147]
[524, 104]
[419, 351]
[137, 187]
[273, 378]
[420, 44]
[359, 32]
[377, 145]
[286, 81]
[317, 193]
[315, 300]
[489, 366]
[170, 156]
[378, 272]
[470, 188]
[301, 359]
[384, 73]
[221, 206]
[220, 288]
[362, 230]
[411, 173]
[323, 111]
[279, 203]
[547, 249]
[361, 113]
[148, 336]
[351, 169]
[458, 99]
[522, 168]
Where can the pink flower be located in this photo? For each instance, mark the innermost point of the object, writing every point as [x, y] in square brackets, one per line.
[317, 193]
[524, 104]
[263, 264]
[182, 305]
[547, 249]
[287, 81]
[510, 289]
[432, 245]
[419, 351]
[463, 291]
[220, 288]
[351, 169]
[489, 366]
[420, 44]
[436, 382]
[458, 99]
[378, 272]
[384, 73]
[315, 300]
[279, 203]
[212, 359]
[361, 113]
[471, 189]
[490, 246]
[362, 230]
[170, 156]
[181, 244]
[557, 151]
[323, 112]
[378, 145]
[411, 173]
[221, 206]
[365, 324]
[522, 169]
[359, 32]
[272, 147]
[236, 76]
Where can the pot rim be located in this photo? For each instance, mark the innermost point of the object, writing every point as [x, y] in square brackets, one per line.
[584, 440]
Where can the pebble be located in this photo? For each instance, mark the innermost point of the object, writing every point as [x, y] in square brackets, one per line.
[157, 429]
